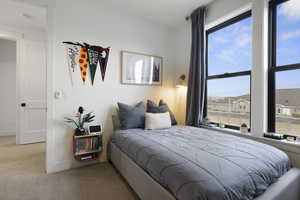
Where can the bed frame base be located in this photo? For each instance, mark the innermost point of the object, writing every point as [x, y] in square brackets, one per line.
[286, 188]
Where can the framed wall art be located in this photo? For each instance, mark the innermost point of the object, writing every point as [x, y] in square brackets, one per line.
[141, 69]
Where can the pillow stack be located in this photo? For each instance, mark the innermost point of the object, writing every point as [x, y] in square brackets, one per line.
[157, 116]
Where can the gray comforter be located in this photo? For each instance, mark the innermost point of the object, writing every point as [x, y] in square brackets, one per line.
[194, 163]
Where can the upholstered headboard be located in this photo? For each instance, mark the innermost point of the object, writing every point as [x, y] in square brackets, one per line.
[116, 122]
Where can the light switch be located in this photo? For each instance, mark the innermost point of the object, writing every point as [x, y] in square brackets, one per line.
[58, 94]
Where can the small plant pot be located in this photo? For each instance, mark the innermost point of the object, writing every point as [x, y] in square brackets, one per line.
[79, 132]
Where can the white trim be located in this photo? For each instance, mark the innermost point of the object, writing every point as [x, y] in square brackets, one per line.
[229, 16]
[50, 166]
[10, 35]
[259, 71]
[8, 133]
[59, 166]
[63, 165]
[18, 126]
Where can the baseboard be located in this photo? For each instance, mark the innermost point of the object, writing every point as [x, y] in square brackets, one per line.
[7, 133]
[32, 138]
[60, 166]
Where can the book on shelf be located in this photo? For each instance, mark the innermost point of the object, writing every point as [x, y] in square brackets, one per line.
[86, 157]
[88, 144]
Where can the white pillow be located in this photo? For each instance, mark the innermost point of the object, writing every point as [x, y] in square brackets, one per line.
[157, 121]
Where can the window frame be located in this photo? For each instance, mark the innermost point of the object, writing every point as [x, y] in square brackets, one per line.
[220, 26]
[273, 68]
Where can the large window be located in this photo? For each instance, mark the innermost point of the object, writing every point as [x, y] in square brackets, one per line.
[229, 54]
[284, 75]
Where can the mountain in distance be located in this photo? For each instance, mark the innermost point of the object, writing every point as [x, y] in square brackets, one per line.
[287, 97]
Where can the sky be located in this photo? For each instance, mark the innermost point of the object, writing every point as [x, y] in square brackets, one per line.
[230, 50]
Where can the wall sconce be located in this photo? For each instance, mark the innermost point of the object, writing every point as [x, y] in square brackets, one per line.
[182, 81]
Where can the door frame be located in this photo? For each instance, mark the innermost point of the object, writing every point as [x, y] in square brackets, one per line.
[17, 37]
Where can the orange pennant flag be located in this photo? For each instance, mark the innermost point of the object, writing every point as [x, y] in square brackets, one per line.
[83, 63]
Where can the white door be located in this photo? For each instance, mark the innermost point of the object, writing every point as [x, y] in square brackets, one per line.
[31, 92]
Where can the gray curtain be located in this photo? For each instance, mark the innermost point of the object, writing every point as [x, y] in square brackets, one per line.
[197, 74]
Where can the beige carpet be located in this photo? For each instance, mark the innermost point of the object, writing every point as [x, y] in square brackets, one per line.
[22, 177]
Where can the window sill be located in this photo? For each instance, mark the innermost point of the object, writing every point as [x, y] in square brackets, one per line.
[283, 144]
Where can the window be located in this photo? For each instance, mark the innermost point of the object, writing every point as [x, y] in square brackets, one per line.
[229, 54]
[284, 70]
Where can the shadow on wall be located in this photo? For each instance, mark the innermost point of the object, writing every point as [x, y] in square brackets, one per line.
[180, 103]
[108, 130]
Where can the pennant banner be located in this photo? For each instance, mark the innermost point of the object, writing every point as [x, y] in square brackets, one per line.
[72, 57]
[83, 63]
[103, 59]
[93, 61]
[86, 56]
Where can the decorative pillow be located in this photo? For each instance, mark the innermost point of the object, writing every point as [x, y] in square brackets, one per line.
[162, 108]
[157, 121]
[132, 116]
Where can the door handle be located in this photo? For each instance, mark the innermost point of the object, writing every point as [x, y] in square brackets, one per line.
[23, 104]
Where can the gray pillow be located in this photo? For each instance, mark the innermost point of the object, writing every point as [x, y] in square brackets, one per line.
[161, 108]
[132, 116]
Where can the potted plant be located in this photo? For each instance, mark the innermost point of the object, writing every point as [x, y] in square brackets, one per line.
[244, 128]
[80, 120]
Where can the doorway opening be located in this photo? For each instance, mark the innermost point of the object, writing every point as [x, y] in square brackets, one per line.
[22, 88]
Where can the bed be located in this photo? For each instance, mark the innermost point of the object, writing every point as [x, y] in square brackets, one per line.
[197, 164]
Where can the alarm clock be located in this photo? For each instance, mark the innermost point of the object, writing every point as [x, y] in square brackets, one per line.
[95, 129]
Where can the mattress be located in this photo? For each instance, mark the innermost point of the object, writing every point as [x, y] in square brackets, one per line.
[194, 163]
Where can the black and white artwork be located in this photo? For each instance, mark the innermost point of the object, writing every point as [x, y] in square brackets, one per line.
[72, 56]
[141, 69]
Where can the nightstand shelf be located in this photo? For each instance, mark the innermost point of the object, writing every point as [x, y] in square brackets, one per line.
[87, 136]
[87, 152]
[87, 147]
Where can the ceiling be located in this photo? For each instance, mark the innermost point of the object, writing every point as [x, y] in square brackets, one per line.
[23, 13]
[167, 12]
[17, 14]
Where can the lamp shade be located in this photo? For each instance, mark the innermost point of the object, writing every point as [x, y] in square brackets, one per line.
[181, 81]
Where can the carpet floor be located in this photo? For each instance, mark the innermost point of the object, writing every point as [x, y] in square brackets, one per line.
[23, 177]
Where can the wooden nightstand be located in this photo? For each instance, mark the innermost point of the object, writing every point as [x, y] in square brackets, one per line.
[87, 147]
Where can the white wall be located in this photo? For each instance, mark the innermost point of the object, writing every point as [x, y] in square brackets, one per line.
[182, 43]
[220, 9]
[7, 87]
[96, 23]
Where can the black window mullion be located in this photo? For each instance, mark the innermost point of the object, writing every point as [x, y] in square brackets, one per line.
[230, 75]
[286, 67]
[230, 22]
[274, 3]
[206, 76]
[272, 66]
